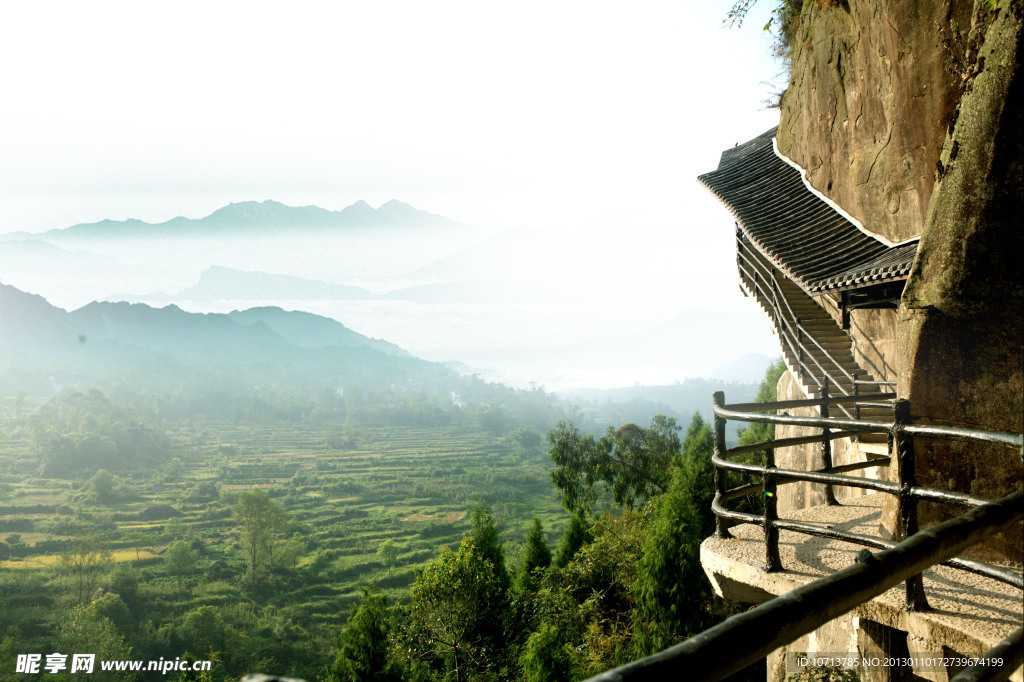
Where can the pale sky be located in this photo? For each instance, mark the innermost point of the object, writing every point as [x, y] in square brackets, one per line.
[547, 114]
[588, 121]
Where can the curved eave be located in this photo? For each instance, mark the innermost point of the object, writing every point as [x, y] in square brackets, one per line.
[801, 233]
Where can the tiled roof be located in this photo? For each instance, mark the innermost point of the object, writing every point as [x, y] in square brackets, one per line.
[801, 233]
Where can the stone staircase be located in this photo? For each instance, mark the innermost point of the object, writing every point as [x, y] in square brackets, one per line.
[816, 349]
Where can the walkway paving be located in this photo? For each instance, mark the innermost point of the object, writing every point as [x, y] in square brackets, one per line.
[970, 613]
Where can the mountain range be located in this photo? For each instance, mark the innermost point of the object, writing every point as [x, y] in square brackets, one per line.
[43, 345]
[252, 217]
[218, 283]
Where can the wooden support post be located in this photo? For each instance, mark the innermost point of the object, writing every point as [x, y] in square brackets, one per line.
[826, 443]
[799, 346]
[856, 391]
[773, 562]
[907, 524]
[856, 406]
[721, 525]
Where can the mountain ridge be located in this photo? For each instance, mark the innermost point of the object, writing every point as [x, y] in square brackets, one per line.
[104, 338]
[255, 216]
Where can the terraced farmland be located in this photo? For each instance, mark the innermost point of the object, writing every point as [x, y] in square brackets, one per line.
[344, 493]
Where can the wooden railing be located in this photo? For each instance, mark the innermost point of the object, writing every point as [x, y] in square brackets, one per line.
[745, 638]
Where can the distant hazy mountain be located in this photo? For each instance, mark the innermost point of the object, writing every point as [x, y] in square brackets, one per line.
[28, 320]
[685, 398]
[218, 283]
[478, 291]
[503, 254]
[256, 217]
[192, 338]
[307, 330]
[33, 255]
[750, 367]
[41, 344]
[32, 264]
[42, 348]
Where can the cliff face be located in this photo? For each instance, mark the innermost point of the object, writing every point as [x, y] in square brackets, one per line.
[910, 114]
[873, 88]
[959, 333]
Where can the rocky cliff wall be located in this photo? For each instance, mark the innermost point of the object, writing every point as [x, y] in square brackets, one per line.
[960, 346]
[873, 88]
[910, 114]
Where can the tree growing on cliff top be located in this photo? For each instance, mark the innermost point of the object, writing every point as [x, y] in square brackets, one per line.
[782, 24]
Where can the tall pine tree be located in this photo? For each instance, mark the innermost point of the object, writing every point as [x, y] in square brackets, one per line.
[364, 647]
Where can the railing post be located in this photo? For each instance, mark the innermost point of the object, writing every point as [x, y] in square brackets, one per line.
[721, 528]
[826, 442]
[856, 392]
[771, 513]
[907, 522]
[856, 406]
[799, 344]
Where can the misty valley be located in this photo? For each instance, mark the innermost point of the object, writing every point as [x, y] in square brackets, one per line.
[269, 490]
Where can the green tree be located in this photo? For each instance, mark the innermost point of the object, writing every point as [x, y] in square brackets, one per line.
[180, 560]
[175, 469]
[673, 596]
[671, 590]
[537, 554]
[124, 582]
[138, 540]
[576, 472]
[81, 565]
[262, 521]
[548, 656]
[104, 486]
[600, 581]
[84, 629]
[387, 554]
[577, 534]
[456, 615]
[292, 549]
[113, 607]
[699, 471]
[635, 463]
[203, 631]
[484, 532]
[364, 653]
[757, 433]
[767, 392]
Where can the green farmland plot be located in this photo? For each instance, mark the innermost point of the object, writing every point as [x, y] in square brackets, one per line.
[164, 543]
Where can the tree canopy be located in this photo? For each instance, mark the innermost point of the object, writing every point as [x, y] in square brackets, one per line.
[262, 522]
[364, 647]
[456, 616]
[634, 463]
